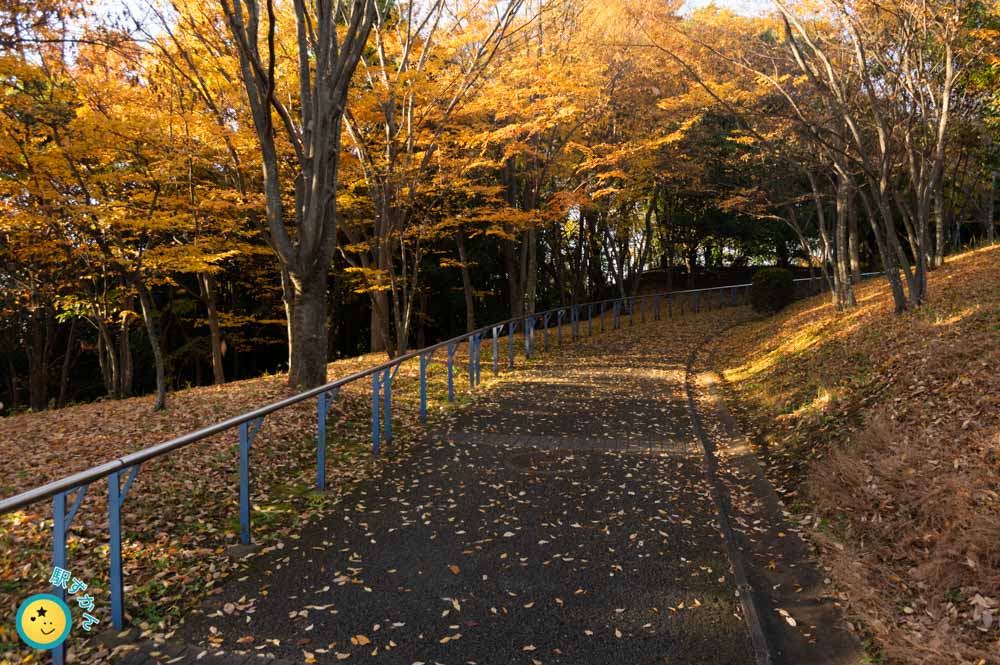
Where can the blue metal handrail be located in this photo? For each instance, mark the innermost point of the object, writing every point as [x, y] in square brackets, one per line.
[73, 488]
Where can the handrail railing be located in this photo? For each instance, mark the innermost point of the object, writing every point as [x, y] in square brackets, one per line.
[381, 375]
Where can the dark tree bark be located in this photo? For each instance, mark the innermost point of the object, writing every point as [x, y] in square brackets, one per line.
[939, 230]
[149, 317]
[126, 371]
[67, 364]
[845, 292]
[210, 300]
[470, 300]
[330, 38]
[39, 351]
[990, 210]
[854, 241]
[12, 378]
[513, 283]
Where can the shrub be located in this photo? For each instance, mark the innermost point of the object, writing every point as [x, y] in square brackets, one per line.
[771, 290]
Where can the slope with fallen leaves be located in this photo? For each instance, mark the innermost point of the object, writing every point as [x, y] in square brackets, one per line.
[182, 512]
[882, 433]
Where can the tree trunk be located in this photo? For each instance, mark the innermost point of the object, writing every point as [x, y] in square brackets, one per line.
[594, 259]
[845, 294]
[854, 241]
[579, 269]
[108, 356]
[380, 322]
[149, 317]
[990, 209]
[307, 328]
[422, 322]
[513, 287]
[12, 372]
[886, 253]
[38, 366]
[328, 56]
[793, 222]
[828, 258]
[215, 330]
[558, 264]
[939, 228]
[126, 372]
[531, 282]
[67, 364]
[470, 298]
[690, 262]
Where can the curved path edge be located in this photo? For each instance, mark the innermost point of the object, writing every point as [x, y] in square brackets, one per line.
[788, 604]
[749, 598]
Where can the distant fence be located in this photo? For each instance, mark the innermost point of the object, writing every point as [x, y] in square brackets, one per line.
[67, 493]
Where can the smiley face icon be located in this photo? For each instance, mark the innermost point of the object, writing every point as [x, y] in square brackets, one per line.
[43, 621]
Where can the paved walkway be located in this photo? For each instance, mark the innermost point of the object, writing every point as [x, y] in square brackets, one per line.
[562, 518]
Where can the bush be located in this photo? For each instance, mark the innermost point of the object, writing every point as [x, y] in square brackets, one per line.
[771, 290]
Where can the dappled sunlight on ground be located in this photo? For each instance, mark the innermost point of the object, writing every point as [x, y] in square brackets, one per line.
[885, 427]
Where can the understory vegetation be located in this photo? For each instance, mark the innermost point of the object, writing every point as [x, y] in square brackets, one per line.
[882, 434]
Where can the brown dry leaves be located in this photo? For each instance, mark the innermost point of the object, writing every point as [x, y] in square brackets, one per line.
[182, 510]
[886, 430]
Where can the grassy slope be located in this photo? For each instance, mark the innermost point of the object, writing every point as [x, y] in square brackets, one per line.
[883, 434]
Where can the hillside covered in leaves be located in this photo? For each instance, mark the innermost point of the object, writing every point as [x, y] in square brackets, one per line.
[882, 434]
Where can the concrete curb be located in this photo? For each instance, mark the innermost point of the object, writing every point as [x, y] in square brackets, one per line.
[749, 599]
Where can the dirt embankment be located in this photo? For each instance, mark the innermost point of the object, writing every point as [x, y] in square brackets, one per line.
[882, 433]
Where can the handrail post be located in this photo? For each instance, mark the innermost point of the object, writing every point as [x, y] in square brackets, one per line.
[529, 331]
[387, 403]
[244, 484]
[479, 358]
[559, 317]
[323, 403]
[511, 329]
[656, 307]
[472, 362]
[451, 371]
[116, 499]
[496, 350]
[115, 549]
[590, 320]
[424, 360]
[602, 315]
[59, 528]
[321, 441]
[545, 330]
[376, 426]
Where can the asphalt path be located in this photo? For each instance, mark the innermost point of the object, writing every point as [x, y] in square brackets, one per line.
[560, 518]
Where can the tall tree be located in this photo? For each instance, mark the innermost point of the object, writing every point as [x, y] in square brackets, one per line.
[330, 38]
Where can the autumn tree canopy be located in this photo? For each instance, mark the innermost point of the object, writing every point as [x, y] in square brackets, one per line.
[193, 192]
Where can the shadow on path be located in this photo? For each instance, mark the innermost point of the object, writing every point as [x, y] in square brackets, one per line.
[563, 517]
